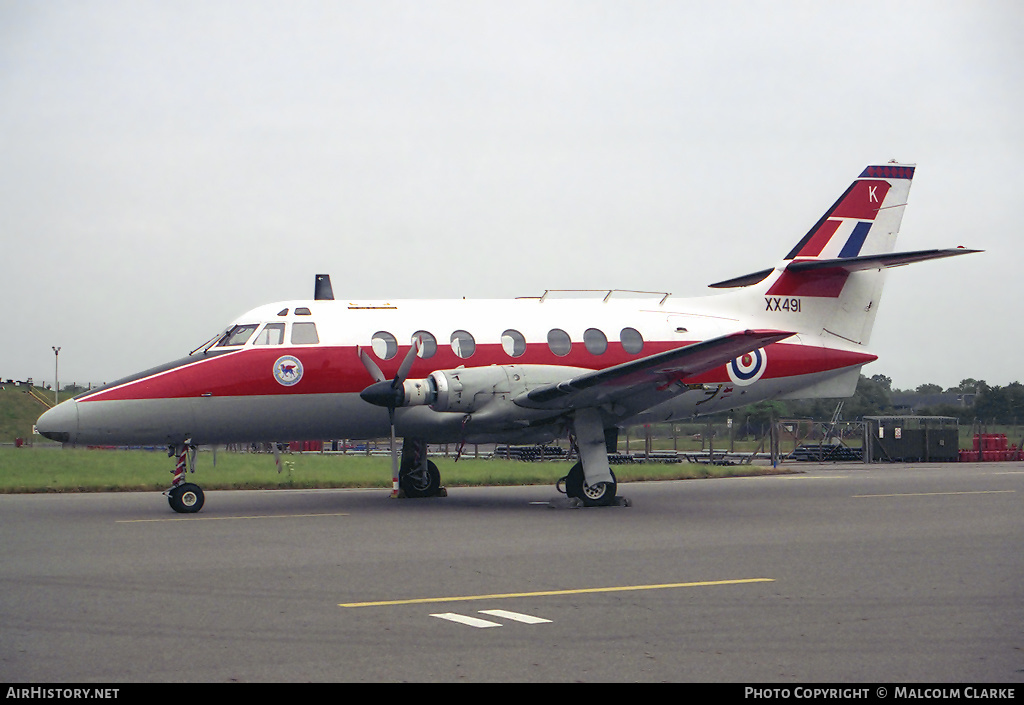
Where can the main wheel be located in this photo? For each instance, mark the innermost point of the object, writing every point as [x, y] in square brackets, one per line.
[419, 482]
[601, 494]
[186, 498]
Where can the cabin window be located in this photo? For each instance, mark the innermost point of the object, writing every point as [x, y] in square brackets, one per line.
[632, 341]
[304, 333]
[384, 345]
[513, 342]
[463, 344]
[237, 335]
[272, 334]
[558, 342]
[595, 341]
[428, 343]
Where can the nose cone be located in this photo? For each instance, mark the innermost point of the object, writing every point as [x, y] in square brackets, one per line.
[60, 423]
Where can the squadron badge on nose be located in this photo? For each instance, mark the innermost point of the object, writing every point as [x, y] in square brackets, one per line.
[288, 370]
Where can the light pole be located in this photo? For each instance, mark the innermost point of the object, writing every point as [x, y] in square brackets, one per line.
[56, 379]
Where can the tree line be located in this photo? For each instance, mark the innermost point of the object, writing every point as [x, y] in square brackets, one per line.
[970, 401]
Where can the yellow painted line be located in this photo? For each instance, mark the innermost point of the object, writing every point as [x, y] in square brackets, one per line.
[781, 476]
[548, 593]
[805, 477]
[199, 518]
[932, 494]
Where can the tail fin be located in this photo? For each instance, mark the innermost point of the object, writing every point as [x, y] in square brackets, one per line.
[865, 219]
[830, 283]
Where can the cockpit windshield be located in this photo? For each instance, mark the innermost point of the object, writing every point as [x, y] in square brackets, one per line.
[237, 336]
[273, 333]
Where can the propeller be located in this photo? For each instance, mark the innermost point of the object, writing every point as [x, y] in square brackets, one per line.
[389, 394]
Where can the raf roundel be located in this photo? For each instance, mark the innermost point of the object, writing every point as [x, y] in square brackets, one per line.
[747, 369]
[288, 370]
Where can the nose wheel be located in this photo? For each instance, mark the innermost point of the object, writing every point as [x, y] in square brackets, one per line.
[186, 498]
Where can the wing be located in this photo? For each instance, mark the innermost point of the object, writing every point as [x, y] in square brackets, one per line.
[649, 380]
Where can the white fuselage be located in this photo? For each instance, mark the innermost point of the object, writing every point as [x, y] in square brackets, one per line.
[292, 371]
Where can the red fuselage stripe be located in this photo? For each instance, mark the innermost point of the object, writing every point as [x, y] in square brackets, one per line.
[338, 370]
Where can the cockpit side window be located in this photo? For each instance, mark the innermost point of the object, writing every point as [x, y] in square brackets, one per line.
[304, 334]
[272, 334]
[237, 336]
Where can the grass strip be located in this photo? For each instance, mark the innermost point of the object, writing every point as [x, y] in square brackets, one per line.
[27, 470]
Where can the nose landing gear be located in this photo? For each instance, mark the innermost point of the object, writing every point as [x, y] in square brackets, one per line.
[184, 497]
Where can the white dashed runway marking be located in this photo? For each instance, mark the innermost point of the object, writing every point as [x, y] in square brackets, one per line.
[485, 623]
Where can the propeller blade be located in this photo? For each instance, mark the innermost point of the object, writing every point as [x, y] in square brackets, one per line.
[394, 456]
[410, 357]
[371, 366]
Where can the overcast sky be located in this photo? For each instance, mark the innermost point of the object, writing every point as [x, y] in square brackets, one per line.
[166, 166]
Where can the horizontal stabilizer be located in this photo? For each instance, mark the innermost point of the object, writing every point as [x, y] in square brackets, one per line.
[847, 264]
[745, 280]
[891, 259]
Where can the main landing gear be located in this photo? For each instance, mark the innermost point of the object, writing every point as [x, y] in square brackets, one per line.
[417, 475]
[184, 497]
[591, 481]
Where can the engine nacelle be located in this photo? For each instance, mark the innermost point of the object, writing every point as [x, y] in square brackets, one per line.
[469, 390]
